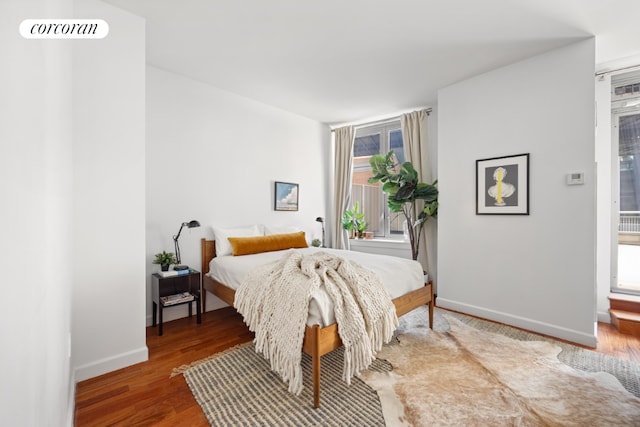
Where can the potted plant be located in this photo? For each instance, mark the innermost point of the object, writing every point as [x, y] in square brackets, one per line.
[353, 221]
[165, 259]
[361, 227]
[404, 191]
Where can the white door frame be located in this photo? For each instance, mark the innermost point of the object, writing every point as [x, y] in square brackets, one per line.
[618, 110]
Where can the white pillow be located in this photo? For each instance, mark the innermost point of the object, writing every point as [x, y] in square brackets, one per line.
[223, 247]
[280, 229]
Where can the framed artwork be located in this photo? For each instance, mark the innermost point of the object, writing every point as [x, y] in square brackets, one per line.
[502, 185]
[286, 196]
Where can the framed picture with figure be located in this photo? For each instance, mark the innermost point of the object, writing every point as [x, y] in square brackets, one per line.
[502, 185]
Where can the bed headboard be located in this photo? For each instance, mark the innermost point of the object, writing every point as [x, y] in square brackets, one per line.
[208, 252]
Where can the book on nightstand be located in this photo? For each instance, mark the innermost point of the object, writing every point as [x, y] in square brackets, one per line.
[177, 298]
[173, 273]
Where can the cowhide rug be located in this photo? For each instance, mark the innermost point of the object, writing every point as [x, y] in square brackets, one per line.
[464, 377]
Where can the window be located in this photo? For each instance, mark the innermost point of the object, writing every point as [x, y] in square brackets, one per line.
[630, 89]
[370, 140]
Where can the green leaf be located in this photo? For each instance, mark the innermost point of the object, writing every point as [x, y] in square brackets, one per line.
[426, 192]
[379, 165]
[408, 172]
[431, 209]
[375, 179]
[394, 206]
[390, 188]
[406, 192]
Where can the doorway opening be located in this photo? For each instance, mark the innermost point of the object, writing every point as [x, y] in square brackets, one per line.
[625, 110]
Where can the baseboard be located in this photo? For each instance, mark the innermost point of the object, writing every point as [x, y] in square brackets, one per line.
[521, 322]
[604, 317]
[110, 364]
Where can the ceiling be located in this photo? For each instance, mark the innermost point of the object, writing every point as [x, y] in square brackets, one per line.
[339, 61]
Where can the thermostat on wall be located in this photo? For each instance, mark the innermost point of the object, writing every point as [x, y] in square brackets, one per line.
[576, 178]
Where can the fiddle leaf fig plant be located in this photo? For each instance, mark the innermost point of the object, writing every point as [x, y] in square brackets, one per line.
[405, 193]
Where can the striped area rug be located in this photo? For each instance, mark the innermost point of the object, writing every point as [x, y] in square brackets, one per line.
[239, 389]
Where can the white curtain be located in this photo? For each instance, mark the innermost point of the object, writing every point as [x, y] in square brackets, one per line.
[414, 136]
[343, 140]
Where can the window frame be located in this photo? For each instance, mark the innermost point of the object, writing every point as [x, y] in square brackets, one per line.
[384, 129]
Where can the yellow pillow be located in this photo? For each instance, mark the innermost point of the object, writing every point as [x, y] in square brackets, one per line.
[274, 242]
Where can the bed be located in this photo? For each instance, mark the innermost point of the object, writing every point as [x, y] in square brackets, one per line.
[319, 338]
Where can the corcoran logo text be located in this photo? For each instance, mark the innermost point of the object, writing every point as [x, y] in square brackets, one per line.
[64, 28]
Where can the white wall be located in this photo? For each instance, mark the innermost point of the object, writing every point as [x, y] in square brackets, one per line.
[213, 156]
[109, 194]
[35, 192]
[535, 271]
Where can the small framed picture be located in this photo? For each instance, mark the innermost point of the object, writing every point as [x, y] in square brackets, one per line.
[286, 196]
[502, 185]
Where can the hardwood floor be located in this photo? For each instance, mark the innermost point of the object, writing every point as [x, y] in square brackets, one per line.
[143, 394]
[611, 342]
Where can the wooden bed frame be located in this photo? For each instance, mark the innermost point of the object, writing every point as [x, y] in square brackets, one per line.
[317, 341]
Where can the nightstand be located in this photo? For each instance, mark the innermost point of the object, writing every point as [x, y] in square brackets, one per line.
[175, 290]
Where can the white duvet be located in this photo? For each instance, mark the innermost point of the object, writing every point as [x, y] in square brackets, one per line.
[398, 275]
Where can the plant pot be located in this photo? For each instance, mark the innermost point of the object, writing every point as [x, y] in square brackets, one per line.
[164, 267]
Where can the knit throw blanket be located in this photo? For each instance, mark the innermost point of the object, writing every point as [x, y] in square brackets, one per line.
[274, 301]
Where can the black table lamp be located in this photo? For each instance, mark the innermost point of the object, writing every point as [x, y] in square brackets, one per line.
[190, 224]
[321, 221]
